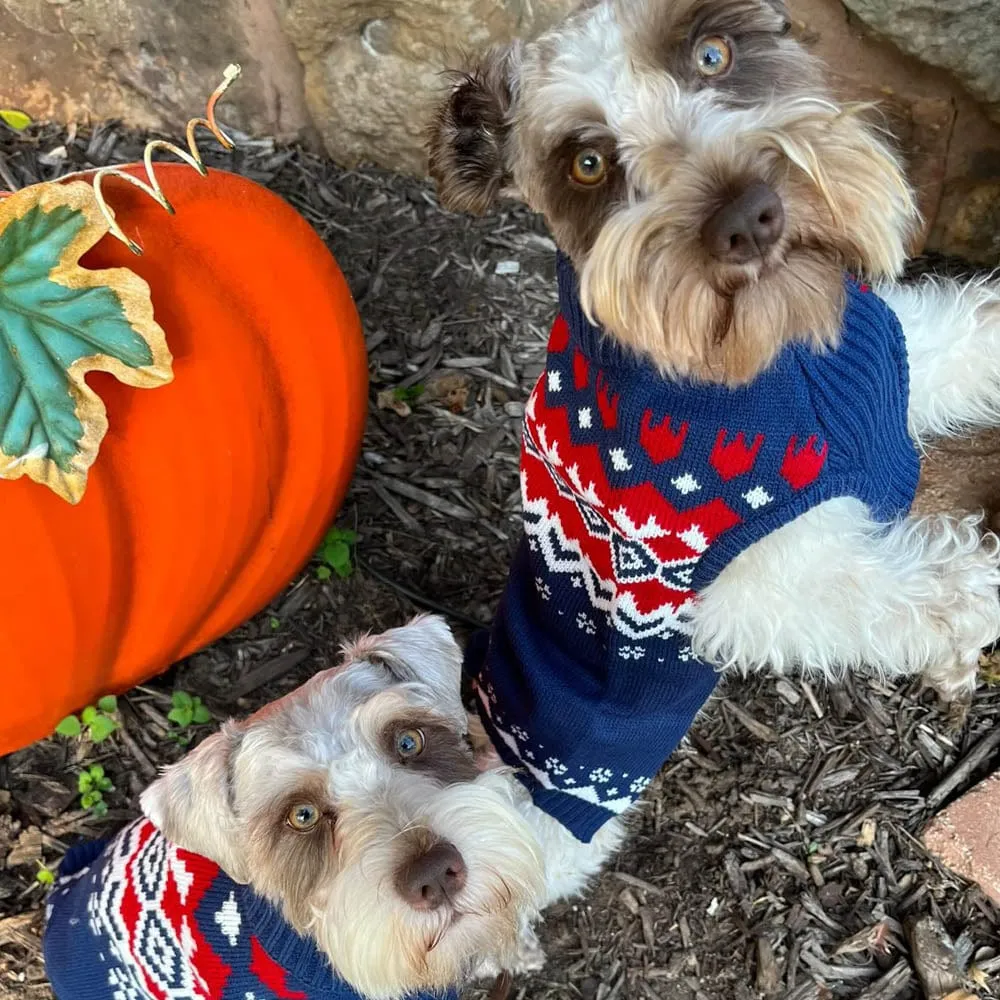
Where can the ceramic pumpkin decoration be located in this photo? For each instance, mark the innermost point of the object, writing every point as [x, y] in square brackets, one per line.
[182, 399]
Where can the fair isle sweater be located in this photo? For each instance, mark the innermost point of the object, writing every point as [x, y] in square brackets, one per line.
[138, 918]
[637, 492]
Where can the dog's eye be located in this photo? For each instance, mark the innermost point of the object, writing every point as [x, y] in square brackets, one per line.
[409, 743]
[713, 56]
[589, 167]
[303, 817]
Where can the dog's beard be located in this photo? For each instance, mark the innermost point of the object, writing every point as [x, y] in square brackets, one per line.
[384, 948]
[649, 282]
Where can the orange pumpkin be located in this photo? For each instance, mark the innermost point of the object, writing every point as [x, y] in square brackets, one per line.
[209, 493]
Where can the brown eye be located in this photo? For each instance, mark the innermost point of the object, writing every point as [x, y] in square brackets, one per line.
[713, 56]
[302, 817]
[409, 743]
[589, 167]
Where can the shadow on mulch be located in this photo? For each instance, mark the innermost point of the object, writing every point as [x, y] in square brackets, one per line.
[777, 852]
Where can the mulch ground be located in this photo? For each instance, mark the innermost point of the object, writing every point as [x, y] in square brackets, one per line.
[777, 854]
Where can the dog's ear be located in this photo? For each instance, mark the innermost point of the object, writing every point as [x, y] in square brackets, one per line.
[191, 803]
[467, 140]
[424, 651]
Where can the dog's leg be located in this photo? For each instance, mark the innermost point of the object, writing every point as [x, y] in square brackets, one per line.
[833, 590]
[952, 331]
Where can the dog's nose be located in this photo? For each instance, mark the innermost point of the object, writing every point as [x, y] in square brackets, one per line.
[429, 879]
[745, 228]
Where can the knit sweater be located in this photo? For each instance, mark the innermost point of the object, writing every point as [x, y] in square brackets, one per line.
[138, 918]
[637, 492]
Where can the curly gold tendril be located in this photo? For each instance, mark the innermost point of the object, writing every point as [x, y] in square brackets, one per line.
[191, 156]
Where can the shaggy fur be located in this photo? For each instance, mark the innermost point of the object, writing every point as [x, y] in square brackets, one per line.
[628, 126]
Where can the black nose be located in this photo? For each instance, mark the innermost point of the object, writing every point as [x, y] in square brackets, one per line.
[429, 879]
[745, 228]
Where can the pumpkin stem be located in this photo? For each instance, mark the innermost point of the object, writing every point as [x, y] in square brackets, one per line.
[191, 156]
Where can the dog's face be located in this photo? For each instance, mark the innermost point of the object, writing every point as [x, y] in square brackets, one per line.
[688, 159]
[356, 805]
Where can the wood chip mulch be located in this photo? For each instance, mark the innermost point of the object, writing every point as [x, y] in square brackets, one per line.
[777, 854]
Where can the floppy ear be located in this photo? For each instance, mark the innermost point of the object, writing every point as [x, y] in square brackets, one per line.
[191, 802]
[424, 651]
[467, 141]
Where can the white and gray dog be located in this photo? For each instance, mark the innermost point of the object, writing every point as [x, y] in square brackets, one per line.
[710, 194]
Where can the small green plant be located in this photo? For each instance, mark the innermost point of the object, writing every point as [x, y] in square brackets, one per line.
[92, 784]
[408, 394]
[335, 554]
[188, 709]
[96, 720]
[275, 623]
[44, 876]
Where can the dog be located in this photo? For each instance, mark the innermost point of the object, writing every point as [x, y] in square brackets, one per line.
[344, 841]
[720, 456]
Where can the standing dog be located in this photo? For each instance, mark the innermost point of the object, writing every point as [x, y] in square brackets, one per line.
[720, 456]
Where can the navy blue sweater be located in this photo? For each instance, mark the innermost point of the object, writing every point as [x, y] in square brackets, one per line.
[637, 492]
[138, 918]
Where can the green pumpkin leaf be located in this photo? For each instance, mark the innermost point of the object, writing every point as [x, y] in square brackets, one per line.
[70, 726]
[100, 809]
[88, 715]
[17, 120]
[59, 321]
[323, 572]
[201, 714]
[109, 704]
[84, 782]
[101, 728]
[96, 771]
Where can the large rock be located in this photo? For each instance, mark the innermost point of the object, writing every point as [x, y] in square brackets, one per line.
[374, 67]
[962, 36]
[152, 63]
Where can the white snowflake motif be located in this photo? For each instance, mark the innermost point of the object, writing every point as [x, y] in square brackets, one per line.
[543, 588]
[528, 755]
[639, 785]
[632, 652]
[555, 382]
[570, 781]
[611, 793]
[600, 776]
[584, 418]
[554, 766]
[519, 733]
[757, 497]
[229, 920]
[619, 460]
[577, 582]
[587, 624]
[686, 653]
[686, 484]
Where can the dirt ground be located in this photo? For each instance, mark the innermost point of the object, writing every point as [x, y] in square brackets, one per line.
[777, 854]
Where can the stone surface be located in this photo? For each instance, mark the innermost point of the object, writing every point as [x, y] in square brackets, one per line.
[972, 229]
[965, 837]
[373, 69]
[152, 64]
[961, 475]
[961, 36]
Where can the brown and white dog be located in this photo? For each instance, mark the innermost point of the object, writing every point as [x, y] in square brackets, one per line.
[711, 194]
